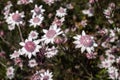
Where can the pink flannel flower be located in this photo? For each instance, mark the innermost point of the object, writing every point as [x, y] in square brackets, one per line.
[51, 34]
[33, 34]
[36, 21]
[24, 2]
[15, 19]
[32, 63]
[30, 47]
[38, 10]
[86, 42]
[61, 12]
[49, 2]
[10, 72]
[58, 22]
[46, 75]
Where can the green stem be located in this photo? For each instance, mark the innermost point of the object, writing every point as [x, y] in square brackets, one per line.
[3, 64]
[21, 37]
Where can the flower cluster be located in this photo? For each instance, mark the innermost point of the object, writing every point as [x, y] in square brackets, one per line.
[111, 63]
[53, 39]
[109, 12]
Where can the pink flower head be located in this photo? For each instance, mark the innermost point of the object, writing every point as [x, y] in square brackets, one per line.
[86, 42]
[10, 72]
[61, 12]
[33, 35]
[51, 34]
[24, 2]
[92, 1]
[32, 63]
[15, 18]
[36, 20]
[91, 55]
[58, 40]
[16, 54]
[58, 22]
[49, 2]
[46, 75]
[30, 47]
[2, 54]
[38, 10]
[1, 33]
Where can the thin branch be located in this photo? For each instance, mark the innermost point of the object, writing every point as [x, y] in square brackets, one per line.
[3, 64]
[6, 42]
[85, 69]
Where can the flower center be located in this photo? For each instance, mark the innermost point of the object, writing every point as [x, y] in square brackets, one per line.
[24, 1]
[32, 63]
[37, 10]
[51, 33]
[16, 17]
[36, 20]
[61, 10]
[16, 54]
[10, 71]
[86, 41]
[33, 34]
[46, 78]
[30, 46]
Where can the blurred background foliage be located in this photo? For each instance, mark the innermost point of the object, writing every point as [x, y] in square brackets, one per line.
[69, 64]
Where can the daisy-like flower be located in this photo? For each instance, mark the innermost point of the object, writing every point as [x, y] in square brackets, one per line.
[49, 2]
[92, 1]
[86, 42]
[16, 54]
[61, 12]
[107, 13]
[32, 63]
[91, 55]
[113, 35]
[46, 75]
[89, 12]
[24, 2]
[51, 34]
[33, 35]
[83, 23]
[30, 47]
[10, 72]
[58, 22]
[118, 60]
[113, 73]
[50, 52]
[106, 63]
[15, 18]
[36, 20]
[111, 58]
[38, 10]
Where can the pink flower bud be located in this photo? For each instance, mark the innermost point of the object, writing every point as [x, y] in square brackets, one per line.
[58, 40]
[1, 33]
[2, 54]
